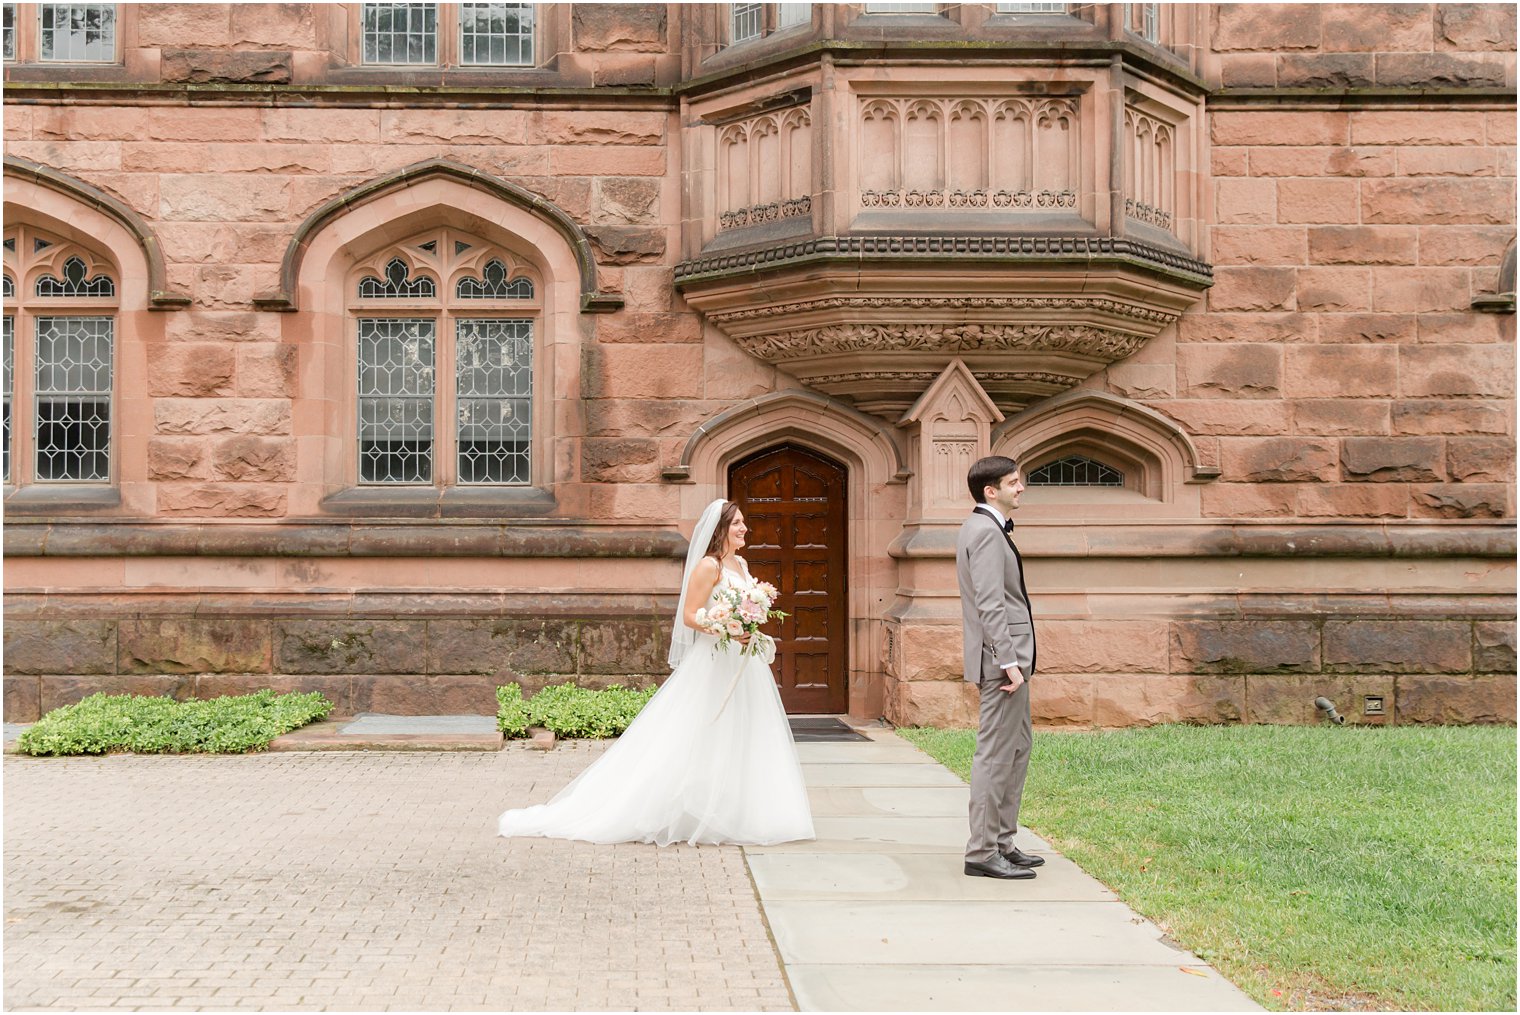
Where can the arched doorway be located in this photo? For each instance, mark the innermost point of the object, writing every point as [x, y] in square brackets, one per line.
[794, 502]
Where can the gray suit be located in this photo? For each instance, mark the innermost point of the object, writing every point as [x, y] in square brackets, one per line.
[998, 629]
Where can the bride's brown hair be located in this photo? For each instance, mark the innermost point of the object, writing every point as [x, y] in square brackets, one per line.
[725, 519]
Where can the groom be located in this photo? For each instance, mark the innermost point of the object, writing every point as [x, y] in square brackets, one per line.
[999, 659]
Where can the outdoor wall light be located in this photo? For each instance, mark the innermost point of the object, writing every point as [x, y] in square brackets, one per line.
[1327, 706]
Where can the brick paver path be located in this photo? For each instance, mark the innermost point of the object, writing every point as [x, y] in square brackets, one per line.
[356, 881]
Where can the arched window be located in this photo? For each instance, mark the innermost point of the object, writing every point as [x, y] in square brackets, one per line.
[1076, 470]
[60, 335]
[444, 330]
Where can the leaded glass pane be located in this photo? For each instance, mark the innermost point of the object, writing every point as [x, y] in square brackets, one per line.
[748, 22]
[496, 34]
[78, 33]
[74, 284]
[494, 379]
[9, 35]
[10, 353]
[396, 400]
[1075, 470]
[10, 287]
[494, 285]
[396, 285]
[74, 398]
[400, 33]
[788, 15]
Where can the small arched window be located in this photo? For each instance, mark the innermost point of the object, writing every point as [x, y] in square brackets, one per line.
[445, 330]
[59, 355]
[1076, 470]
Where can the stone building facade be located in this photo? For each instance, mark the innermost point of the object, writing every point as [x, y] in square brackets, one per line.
[390, 350]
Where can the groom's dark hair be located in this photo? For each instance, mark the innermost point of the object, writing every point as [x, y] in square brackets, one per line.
[987, 472]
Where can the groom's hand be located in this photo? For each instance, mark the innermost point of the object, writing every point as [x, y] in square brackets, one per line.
[1015, 679]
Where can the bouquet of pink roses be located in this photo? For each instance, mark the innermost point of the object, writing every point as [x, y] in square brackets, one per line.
[741, 608]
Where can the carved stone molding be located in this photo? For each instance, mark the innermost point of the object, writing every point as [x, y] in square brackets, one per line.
[1009, 304]
[1082, 340]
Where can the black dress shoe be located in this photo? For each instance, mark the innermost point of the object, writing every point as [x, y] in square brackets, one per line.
[1019, 858]
[997, 867]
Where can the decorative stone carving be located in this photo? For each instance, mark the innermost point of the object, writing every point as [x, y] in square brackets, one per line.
[949, 427]
[765, 168]
[831, 339]
[1150, 168]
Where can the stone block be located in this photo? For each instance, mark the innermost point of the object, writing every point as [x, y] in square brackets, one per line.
[1142, 381]
[623, 70]
[1463, 245]
[1286, 699]
[1411, 127]
[173, 24]
[1243, 289]
[1376, 328]
[1259, 245]
[332, 126]
[649, 288]
[1326, 70]
[600, 28]
[1061, 699]
[1363, 245]
[1278, 459]
[1230, 161]
[1248, 500]
[1145, 700]
[1443, 371]
[206, 197]
[337, 689]
[1470, 27]
[172, 458]
[69, 156]
[1377, 27]
[266, 371]
[57, 691]
[1499, 128]
[1434, 201]
[589, 127]
[1398, 646]
[23, 698]
[619, 460]
[1329, 371]
[943, 703]
[1481, 459]
[1338, 417]
[195, 370]
[416, 694]
[1248, 70]
[1420, 290]
[287, 25]
[350, 646]
[254, 459]
[1248, 328]
[618, 200]
[646, 417]
[220, 66]
[649, 328]
[222, 415]
[1229, 371]
[213, 326]
[626, 245]
[1464, 328]
[1322, 161]
[503, 645]
[1441, 161]
[1463, 500]
[193, 645]
[79, 646]
[458, 126]
[1248, 127]
[1432, 699]
[930, 652]
[624, 646]
[1393, 459]
[1227, 417]
[1313, 201]
[1353, 500]
[221, 500]
[1444, 70]
[1245, 646]
[1450, 417]
[1494, 646]
[1245, 201]
[1266, 26]
[1337, 290]
[644, 371]
[1102, 646]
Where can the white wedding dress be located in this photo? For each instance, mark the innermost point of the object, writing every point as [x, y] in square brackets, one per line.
[710, 759]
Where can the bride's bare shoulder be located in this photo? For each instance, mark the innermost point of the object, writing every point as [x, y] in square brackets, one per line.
[708, 567]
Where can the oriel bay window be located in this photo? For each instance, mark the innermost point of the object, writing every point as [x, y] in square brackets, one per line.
[444, 339]
[60, 335]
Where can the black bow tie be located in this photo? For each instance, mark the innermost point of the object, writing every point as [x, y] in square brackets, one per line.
[1008, 527]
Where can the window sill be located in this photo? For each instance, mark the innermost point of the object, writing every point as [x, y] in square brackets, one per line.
[55, 500]
[431, 502]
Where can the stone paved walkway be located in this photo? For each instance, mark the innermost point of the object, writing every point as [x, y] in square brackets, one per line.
[345, 881]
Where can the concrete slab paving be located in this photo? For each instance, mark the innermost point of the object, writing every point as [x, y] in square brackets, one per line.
[890, 834]
[883, 773]
[1004, 988]
[905, 877]
[871, 801]
[374, 722]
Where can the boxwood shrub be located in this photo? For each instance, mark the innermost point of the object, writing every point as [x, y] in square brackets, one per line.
[570, 711]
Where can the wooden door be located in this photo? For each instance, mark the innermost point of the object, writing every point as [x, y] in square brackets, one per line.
[793, 501]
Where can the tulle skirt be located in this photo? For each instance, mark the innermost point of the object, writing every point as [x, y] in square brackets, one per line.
[710, 759]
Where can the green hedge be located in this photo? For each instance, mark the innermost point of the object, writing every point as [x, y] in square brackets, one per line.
[103, 723]
[570, 711]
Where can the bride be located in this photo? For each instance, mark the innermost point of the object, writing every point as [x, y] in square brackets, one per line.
[710, 759]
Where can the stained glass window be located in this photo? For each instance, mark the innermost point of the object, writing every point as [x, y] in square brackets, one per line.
[496, 34]
[10, 288]
[78, 33]
[396, 285]
[494, 285]
[396, 400]
[73, 396]
[74, 283]
[399, 33]
[494, 378]
[1075, 470]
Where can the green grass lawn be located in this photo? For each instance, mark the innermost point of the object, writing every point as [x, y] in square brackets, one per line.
[1316, 867]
